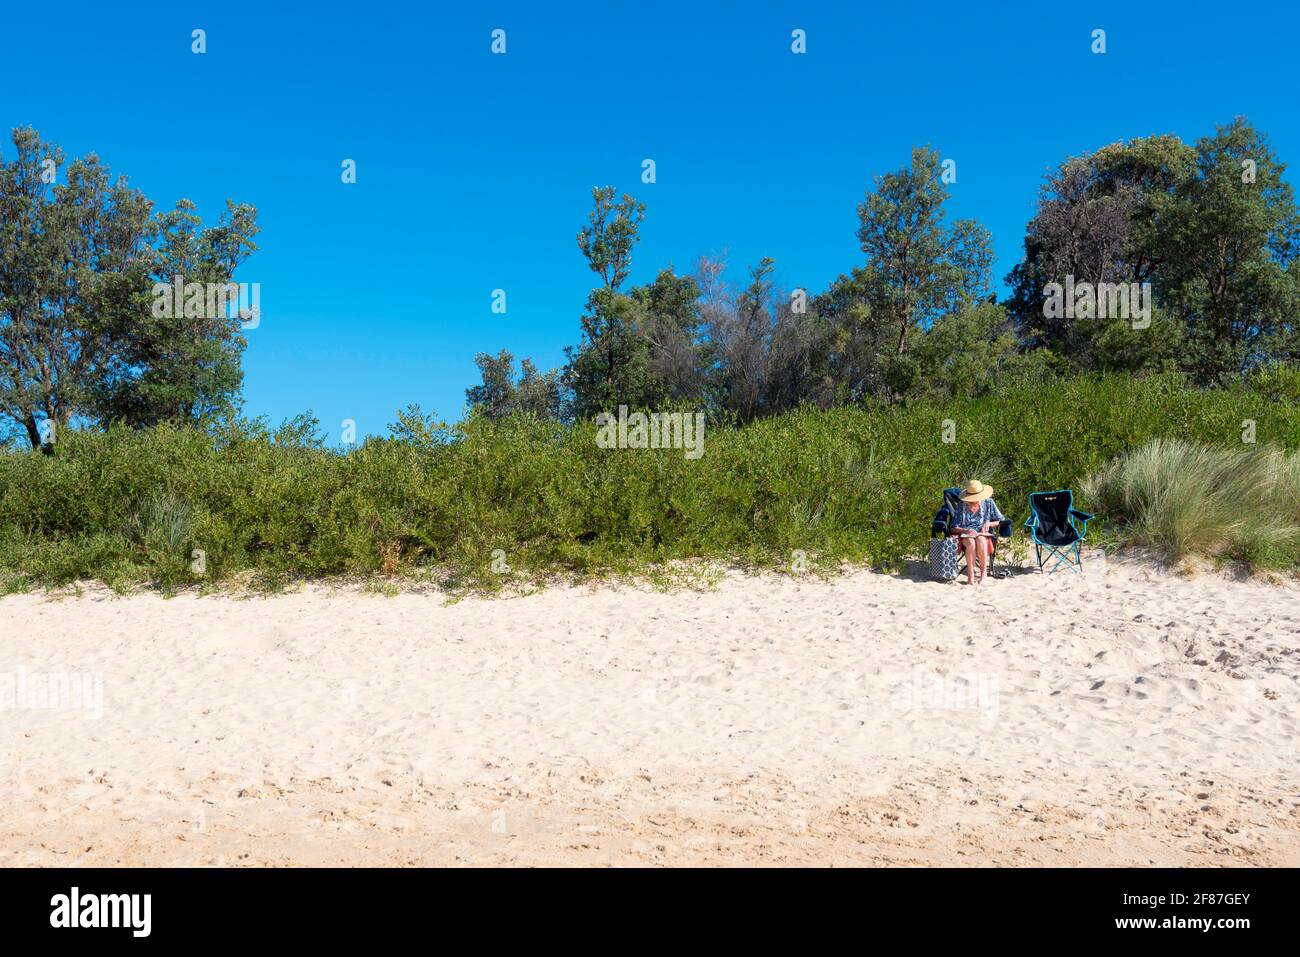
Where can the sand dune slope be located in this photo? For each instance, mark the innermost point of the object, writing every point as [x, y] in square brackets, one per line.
[1123, 717]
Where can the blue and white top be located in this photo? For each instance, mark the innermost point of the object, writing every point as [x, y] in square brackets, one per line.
[964, 518]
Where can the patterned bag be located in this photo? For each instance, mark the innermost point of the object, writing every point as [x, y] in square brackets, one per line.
[943, 559]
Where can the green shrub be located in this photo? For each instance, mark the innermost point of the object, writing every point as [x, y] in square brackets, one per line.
[1277, 381]
[858, 484]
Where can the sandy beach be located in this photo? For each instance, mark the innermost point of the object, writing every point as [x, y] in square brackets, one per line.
[1128, 716]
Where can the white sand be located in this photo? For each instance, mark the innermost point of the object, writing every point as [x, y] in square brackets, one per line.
[1122, 717]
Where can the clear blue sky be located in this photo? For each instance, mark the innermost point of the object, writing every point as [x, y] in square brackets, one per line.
[475, 170]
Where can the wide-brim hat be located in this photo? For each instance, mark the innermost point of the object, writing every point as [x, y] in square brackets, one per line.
[976, 491]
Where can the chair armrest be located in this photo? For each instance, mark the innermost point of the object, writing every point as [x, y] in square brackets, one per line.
[1077, 513]
[1004, 528]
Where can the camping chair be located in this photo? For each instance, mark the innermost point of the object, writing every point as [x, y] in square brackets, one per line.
[941, 528]
[1054, 523]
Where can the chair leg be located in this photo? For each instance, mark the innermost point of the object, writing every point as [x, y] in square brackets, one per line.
[1068, 556]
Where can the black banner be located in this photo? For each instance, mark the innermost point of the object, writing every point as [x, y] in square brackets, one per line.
[1231, 907]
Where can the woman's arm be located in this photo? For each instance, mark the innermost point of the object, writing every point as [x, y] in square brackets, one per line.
[995, 516]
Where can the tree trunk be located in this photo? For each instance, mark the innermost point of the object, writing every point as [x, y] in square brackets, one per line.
[33, 433]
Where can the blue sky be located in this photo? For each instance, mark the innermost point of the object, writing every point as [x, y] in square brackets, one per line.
[474, 170]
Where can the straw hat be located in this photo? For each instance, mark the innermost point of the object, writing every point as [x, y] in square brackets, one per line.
[976, 491]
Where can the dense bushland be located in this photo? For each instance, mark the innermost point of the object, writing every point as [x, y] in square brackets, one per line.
[857, 483]
[1206, 235]
[1203, 238]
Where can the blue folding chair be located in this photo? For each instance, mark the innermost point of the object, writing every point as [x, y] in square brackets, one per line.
[942, 527]
[1058, 529]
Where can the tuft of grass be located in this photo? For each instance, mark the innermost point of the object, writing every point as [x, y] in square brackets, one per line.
[387, 589]
[15, 583]
[1190, 499]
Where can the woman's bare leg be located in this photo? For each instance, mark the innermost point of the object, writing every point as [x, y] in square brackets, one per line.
[968, 545]
[982, 549]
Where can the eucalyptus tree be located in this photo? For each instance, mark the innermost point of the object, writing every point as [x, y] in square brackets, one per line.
[79, 254]
[1212, 227]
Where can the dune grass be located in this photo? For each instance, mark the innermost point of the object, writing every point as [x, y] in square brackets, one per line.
[1189, 499]
[491, 504]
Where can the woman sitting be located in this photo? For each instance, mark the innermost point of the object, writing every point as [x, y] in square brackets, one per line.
[975, 525]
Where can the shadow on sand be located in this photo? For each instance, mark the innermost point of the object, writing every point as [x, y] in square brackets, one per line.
[916, 570]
